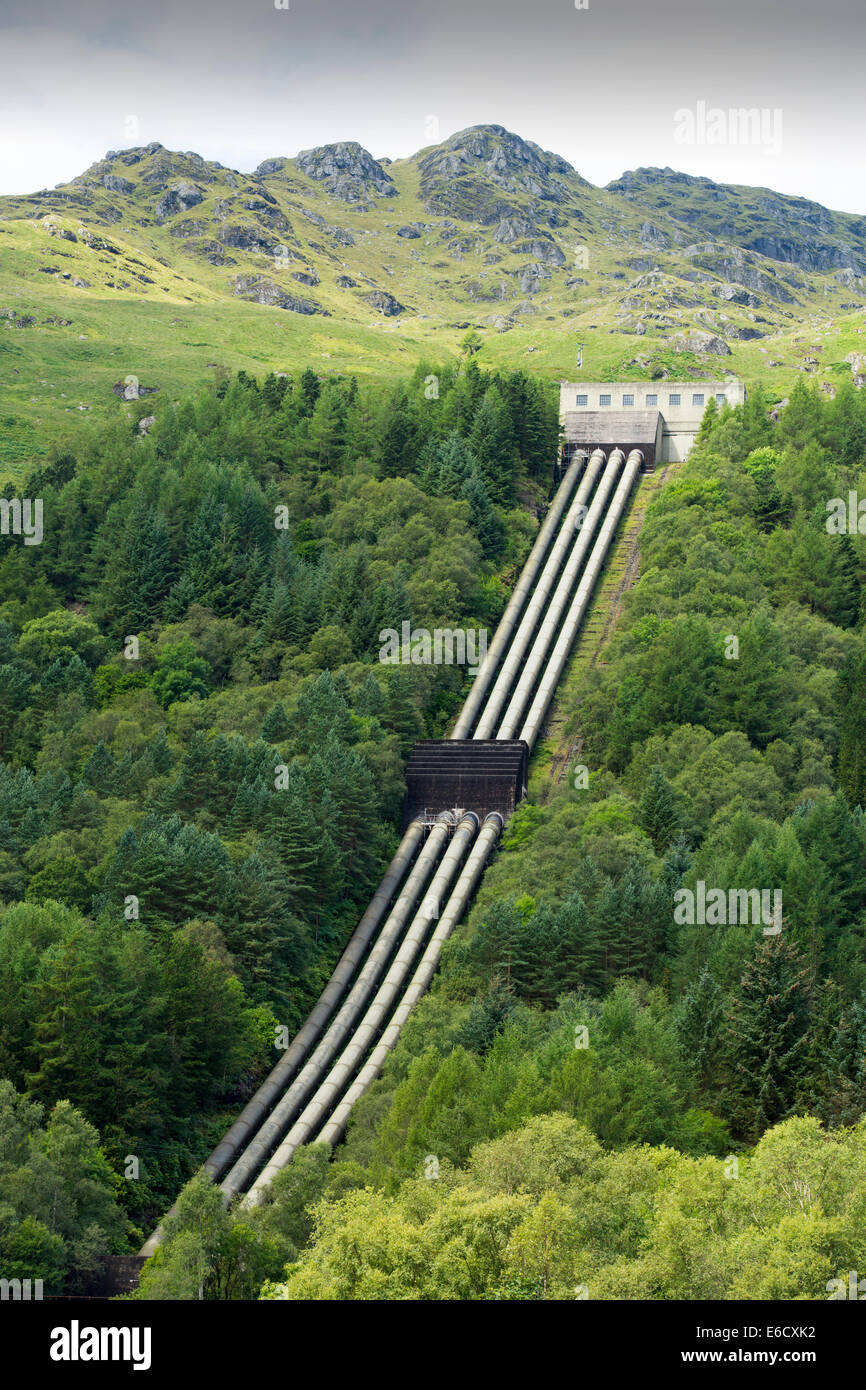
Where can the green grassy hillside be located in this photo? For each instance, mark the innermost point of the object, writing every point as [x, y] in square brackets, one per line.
[166, 268]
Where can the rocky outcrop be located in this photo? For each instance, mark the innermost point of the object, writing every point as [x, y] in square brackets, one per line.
[542, 249]
[179, 198]
[347, 171]
[698, 341]
[258, 289]
[650, 235]
[794, 231]
[115, 184]
[384, 303]
[131, 390]
[480, 174]
[245, 238]
[530, 277]
[732, 264]
[735, 294]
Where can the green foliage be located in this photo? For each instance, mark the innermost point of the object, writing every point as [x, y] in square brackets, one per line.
[542, 1212]
[58, 1213]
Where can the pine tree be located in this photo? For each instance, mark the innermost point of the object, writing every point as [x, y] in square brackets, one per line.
[275, 725]
[766, 1038]
[659, 810]
[845, 590]
[308, 391]
[698, 1021]
[484, 519]
[851, 702]
[99, 771]
[492, 440]
[395, 450]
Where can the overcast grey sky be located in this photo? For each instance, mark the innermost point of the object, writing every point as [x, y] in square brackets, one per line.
[241, 81]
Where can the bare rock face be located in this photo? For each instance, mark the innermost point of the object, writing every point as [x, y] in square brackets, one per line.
[245, 238]
[115, 184]
[542, 248]
[480, 175]
[131, 390]
[511, 229]
[699, 341]
[179, 198]
[529, 277]
[735, 266]
[347, 171]
[258, 289]
[651, 236]
[385, 303]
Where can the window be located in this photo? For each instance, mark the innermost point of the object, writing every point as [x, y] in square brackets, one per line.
[720, 398]
[604, 400]
[652, 399]
[628, 400]
[697, 398]
[674, 399]
[582, 400]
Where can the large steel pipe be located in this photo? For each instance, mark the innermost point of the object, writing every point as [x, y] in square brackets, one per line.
[558, 604]
[580, 602]
[278, 1077]
[463, 891]
[576, 521]
[371, 1024]
[256, 1108]
[260, 1146]
[508, 621]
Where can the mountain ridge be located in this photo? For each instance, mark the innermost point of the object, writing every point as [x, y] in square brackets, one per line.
[166, 266]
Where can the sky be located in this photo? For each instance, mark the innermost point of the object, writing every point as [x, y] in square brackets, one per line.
[610, 86]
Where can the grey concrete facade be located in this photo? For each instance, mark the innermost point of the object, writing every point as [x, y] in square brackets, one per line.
[680, 404]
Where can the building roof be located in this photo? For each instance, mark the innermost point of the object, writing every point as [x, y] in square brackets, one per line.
[611, 426]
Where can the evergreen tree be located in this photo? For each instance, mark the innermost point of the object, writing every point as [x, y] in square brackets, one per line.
[698, 1023]
[660, 813]
[766, 1038]
[493, 445]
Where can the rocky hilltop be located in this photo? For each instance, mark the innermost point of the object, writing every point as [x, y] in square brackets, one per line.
[660, 272]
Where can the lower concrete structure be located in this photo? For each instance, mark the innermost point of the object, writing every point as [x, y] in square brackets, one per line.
[480, 775]
[609, 429]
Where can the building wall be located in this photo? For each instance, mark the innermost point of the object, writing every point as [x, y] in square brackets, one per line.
[681, 418]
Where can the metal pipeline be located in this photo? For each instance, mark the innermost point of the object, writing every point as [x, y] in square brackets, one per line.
[369, 1027]
[256, 1108]
[580, 602]
[315, 1072]
[577, 514]
[508, 621]
[463, 891]
[558, 604]
[274, 1083]
[310, 1075]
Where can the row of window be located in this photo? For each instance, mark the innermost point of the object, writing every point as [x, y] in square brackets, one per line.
[651, 398]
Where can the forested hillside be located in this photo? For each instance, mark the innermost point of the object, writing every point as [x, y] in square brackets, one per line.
[594, 1100]
[204, 611]
[597, 1098]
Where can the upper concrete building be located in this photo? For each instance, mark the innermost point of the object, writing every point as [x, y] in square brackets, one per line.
[659, 417]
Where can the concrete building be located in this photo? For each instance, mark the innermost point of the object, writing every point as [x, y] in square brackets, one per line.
[659, 417]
